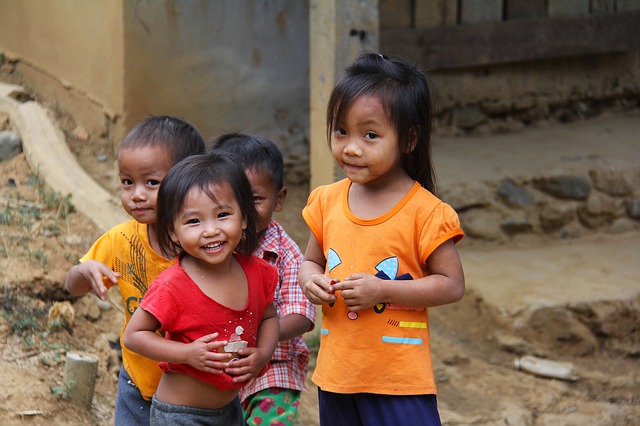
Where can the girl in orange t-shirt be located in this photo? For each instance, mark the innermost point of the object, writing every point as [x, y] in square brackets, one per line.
[381, 250]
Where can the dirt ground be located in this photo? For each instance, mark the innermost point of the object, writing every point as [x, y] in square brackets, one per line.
[474, 343]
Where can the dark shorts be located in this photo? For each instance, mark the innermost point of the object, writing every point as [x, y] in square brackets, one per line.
[163, 414]
[367, 409]
[131, 407]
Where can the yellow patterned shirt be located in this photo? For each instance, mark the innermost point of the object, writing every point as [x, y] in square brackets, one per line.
[125, 248]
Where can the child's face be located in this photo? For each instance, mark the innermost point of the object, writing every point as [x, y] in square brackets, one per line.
[365, 145]
[208, 230]
[141, 172]
[267, 197]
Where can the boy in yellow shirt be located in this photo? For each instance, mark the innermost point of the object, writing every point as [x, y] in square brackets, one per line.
[128, 255]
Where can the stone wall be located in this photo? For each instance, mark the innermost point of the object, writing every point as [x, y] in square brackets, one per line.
[561, 206]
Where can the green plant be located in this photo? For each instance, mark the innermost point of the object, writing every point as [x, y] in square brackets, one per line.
[5, 215]
[54, 201]
[23, 314]
[59, 392]
[40, 256]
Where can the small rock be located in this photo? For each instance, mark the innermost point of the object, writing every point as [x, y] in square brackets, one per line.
[622, 225]
[555, 215]
[88, 308]
[599, 210]
[80, 133]
[514, 226]
[61, 315]
[478, 223]
[566, 187]
[513, 194]
[612, 182]
[10, 145]
[633, 208]
[73, 239]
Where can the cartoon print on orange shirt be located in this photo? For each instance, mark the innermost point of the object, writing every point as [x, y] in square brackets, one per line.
[387, 270]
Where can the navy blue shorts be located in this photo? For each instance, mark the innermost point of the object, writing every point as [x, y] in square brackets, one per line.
[131, 407]
[368, 409]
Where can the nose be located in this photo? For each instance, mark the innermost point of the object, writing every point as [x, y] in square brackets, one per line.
[210, 229]
[139, 193]
[352, 147]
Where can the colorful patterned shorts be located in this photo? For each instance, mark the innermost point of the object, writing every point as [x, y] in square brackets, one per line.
[272, 406]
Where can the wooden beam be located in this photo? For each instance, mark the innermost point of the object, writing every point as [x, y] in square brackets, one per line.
[463, 46]
[339, 30]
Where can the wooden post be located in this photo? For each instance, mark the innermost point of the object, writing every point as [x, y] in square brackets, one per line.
[80, 370]
[339, 30]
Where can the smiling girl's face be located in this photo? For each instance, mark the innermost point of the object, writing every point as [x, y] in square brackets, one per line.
[209, 230]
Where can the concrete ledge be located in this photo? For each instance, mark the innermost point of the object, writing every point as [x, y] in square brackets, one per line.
[48, 156]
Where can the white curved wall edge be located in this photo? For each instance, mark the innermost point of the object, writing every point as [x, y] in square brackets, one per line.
[49, 157]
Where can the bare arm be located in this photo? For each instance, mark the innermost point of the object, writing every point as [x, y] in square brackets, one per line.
[317, 286]
[444, 284]
[89, 275]
[140, 336]
[293, 325]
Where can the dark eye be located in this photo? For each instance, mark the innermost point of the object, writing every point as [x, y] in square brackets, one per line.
[153, 182]
[193, 221]
[370, 136]
[340, 132]
[126, 182]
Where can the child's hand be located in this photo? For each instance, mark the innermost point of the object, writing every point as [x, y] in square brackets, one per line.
[361, 291]
[203, 354]
[247, 366]
[93, 272]
[319, 289]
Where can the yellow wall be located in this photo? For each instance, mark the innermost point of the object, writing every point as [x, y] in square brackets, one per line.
[225, 65]
[72, 49]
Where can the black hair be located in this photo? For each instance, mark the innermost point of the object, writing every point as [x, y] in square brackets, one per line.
[204, 171]
[179, 137]
[254, 152]
[407, 100]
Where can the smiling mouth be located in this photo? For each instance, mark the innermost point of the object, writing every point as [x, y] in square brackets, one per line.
[212, 246]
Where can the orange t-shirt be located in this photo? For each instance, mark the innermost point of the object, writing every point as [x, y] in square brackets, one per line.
[125, 248]
[384, 349]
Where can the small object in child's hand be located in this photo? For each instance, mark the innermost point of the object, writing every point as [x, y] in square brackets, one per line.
[233, 348]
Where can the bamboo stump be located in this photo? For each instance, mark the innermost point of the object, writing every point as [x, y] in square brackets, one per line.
[80, 371]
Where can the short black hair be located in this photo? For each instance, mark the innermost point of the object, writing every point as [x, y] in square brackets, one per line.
[179, 137]
[254, 152]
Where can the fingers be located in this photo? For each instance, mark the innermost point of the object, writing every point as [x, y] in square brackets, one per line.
[95, 273]
[319, 289]
[208, 337]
